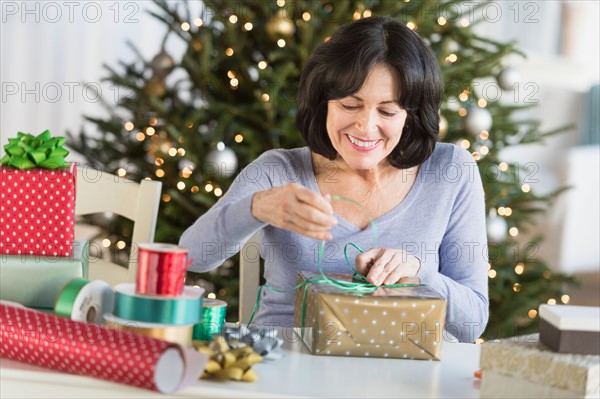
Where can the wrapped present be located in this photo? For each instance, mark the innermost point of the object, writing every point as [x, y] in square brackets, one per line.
[35, 281]
[498, 385]
[402, 322]
[525, 362]
[571, 329]
[37, 190]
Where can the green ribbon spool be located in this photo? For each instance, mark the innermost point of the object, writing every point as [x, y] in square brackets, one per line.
[213, 320]
[27, 151]
[180, 310]
[66, 298]
[84, 300]
[359, 284]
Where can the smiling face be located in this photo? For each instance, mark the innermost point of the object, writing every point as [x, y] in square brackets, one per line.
[366, 126]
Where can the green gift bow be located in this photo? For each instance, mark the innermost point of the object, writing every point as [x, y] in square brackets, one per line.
[28, 151]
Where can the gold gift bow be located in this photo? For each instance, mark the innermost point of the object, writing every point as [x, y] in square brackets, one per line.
[227, 363]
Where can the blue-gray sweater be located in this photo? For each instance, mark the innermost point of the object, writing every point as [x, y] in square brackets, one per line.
[441, 221]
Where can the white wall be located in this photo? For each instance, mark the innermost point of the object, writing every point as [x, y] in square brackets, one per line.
[50, 49]
[562, 42]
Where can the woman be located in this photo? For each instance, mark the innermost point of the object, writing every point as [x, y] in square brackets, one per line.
[368, 110]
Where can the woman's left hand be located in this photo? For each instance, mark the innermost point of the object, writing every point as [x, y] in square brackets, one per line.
[384, 266]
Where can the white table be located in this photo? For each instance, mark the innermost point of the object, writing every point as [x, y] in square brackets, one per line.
[298, 374]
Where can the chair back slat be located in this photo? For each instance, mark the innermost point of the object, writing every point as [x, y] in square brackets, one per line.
[103, 192]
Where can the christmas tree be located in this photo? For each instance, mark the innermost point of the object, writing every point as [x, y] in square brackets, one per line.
[193, 123]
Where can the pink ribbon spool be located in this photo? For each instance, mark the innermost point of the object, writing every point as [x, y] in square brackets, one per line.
[161, 269]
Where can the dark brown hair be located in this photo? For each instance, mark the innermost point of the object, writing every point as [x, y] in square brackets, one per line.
[339, 67]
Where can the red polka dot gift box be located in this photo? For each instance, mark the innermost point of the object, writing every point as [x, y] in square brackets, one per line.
[37, 197]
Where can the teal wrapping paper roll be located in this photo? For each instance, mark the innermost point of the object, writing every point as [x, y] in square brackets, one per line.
[35, 281]
[184, 309]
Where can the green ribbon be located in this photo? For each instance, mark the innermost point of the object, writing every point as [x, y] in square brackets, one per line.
[67, 297]
[359, 283]
[213, 320]
[42, 151]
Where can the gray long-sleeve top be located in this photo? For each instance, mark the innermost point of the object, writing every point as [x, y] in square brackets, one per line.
[441, 221]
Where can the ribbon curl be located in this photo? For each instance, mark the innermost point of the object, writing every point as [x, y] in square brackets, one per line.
[27, 151]
[359, 285]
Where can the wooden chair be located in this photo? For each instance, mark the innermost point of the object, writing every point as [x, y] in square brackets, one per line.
[103, 192]
[249, 277]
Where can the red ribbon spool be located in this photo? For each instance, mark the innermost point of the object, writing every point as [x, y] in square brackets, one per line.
[161, 269]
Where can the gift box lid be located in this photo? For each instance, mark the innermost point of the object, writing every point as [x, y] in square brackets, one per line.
[572, 318]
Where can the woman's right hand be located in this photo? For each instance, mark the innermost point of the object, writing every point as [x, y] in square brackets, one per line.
[295, 208]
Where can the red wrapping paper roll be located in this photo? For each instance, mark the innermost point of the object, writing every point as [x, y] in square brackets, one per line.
[96, 351]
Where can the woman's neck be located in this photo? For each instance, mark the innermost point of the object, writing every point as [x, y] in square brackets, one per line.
[374, 178]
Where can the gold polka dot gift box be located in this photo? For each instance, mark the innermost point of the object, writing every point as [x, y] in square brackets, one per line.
[401, 322]
[37, 197]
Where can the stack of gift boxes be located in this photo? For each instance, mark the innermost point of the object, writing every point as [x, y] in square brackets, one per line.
[562, 361]
[37, 246]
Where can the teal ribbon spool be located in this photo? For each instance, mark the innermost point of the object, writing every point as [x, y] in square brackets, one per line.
[213, 320]
[179, 310]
